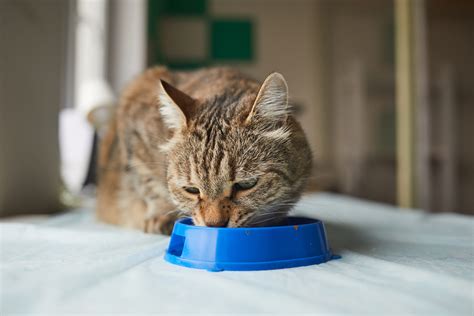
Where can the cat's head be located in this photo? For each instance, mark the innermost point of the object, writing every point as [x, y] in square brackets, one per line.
[237, 159]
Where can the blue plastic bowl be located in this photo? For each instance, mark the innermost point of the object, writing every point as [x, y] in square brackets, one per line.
[299, 242]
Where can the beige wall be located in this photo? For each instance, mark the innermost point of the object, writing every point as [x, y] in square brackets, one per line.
[451, 48]
[32, 52]
[361, 85]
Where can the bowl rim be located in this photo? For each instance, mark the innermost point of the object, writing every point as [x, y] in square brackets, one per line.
[309, 221]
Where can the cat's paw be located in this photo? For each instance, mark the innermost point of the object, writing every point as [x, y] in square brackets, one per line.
[160, 224]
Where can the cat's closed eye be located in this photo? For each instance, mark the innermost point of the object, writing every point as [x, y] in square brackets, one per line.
[192, 190]
[245, 185]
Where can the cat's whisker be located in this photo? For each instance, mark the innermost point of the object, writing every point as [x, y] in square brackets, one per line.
[243, 220]
[273, 210]
[270, 211]
[257, 219]
[262, 221]
[269, 214]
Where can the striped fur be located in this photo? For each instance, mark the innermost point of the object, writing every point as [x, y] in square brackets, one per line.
[207, 129]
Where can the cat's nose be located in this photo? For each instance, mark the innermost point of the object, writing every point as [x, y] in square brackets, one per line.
[220, 221]
[215, 214]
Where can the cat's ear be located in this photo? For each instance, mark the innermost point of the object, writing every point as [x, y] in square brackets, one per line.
[176, 107]
[272, 99]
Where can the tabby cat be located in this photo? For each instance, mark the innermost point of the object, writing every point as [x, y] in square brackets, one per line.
[212, 144]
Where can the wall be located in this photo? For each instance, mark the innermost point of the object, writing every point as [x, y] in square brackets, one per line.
[32, 55]
[361, 108]
[451, 60]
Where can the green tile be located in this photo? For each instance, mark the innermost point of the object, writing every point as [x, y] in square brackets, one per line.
[185, 7]
[155, 11]
[231, 40]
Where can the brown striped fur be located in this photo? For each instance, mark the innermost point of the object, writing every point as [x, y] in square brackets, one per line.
[207, 129]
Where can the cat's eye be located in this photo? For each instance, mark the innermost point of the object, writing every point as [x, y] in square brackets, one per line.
[192, 190]
[245, 185]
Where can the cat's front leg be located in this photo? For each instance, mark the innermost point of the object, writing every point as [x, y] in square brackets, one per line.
[160, 217]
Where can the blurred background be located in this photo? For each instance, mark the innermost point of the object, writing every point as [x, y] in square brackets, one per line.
[383, 89]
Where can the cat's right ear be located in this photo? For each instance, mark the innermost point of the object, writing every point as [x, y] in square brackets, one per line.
[271, 102]
[176, 107]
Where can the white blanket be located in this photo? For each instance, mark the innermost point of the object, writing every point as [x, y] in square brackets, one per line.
[393, 262]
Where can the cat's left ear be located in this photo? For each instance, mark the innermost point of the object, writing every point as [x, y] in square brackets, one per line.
[176, 107]
[272, 99]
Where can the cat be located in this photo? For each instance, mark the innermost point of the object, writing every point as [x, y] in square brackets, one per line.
[212, 144]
